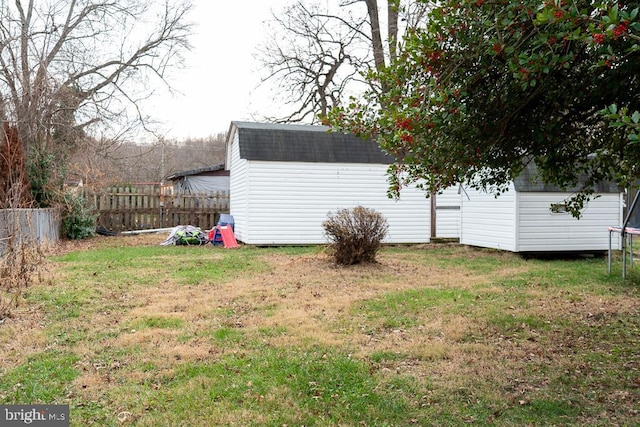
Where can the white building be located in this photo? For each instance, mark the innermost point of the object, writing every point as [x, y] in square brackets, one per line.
[530, 218]
[286, 179]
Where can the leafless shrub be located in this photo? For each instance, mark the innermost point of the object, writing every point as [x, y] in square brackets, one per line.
[20, 266]
[355, 234]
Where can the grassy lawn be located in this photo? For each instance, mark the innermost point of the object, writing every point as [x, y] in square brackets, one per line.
[131, 333]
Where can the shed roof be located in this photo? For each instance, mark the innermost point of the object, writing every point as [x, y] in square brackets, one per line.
[529, 180]
[305, 143]
[202, 170]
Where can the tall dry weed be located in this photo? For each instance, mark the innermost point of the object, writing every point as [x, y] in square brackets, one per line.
[20, 266]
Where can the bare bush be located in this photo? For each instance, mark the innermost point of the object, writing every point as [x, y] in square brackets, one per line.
[355, 234]
[20, 266]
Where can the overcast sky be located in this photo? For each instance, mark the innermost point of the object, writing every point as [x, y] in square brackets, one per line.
[219, 83]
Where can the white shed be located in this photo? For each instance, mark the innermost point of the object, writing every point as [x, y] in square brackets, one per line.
[522, 219]
[286, 179]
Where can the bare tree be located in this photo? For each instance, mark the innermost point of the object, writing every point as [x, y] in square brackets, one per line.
[69, 68]
[126, 163]
[316, 55]
[313, 53]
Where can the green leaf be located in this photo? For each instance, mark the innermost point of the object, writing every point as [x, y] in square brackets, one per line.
[613, 13]
[635, 118]
[542, 17]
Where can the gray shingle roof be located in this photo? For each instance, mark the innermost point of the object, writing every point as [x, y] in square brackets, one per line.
[198, 171]
[305, 143]
[530, 181]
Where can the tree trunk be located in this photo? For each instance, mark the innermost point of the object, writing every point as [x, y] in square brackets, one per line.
[392, 15]
[376, 37]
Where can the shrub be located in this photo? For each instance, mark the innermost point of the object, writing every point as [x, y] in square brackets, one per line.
[355, 234]
[77, 220]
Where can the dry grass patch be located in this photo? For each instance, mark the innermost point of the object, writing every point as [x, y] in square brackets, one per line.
[21, 335]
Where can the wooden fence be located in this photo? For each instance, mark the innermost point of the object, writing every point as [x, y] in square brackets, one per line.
[28, 227]
[131, 208]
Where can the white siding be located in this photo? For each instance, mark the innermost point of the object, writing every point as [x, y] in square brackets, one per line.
[541, 230]
[448, 213]
[288, 201]
[488, 221]
[238, 189]
[523, 222]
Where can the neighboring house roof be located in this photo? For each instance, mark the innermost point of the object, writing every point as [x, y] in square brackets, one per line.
[305, 143]
[203, 170]
[530, 181]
